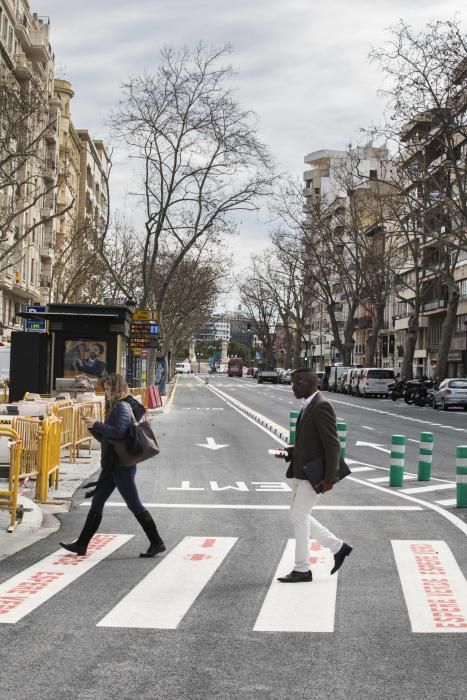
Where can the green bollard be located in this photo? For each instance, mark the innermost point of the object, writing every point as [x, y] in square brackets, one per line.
[396, 468]
[293, 425]
[425, 456]
[461, 476]
[342, 433]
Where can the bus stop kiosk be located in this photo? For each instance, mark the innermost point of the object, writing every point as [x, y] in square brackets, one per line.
[75, 340]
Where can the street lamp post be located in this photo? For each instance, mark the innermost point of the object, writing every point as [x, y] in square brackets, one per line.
[313, 347]
[352, 348]
[465, 351]
[333, 347]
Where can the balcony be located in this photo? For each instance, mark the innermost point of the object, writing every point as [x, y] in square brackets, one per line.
[40, 46]
[401, 323]
[22, 68]
[50, 169]
[364, 322]
[50, 133]
[435, 305]
[46, 251]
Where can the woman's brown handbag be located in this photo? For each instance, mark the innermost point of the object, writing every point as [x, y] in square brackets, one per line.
[139, 445]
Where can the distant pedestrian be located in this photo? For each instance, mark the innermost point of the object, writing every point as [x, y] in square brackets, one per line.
[120, 409]
[315, 436]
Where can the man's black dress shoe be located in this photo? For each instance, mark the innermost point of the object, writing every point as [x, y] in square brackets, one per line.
[296, 577]
[343, 552]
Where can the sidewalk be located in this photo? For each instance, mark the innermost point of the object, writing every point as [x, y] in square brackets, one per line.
[39, 520]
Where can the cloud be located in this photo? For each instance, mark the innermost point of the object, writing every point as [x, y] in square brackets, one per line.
[302, 65]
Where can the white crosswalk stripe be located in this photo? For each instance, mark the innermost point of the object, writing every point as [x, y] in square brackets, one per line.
[308, 607]
[156, 603]
[32, 587]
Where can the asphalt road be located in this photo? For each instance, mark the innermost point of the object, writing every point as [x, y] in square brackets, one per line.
[207, 619]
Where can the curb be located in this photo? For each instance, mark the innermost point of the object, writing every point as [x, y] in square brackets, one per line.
[266, 423]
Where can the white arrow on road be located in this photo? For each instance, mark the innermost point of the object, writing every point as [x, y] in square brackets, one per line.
[211, 444]
[372, 444]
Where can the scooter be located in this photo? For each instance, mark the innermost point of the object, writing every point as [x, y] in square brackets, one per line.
[396, 390]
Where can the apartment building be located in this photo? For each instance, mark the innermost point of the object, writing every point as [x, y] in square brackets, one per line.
[332, 175]
[28, 145]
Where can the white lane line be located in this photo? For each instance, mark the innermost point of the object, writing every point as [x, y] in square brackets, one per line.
[230, 506]
[32, 587]
[453, 519]
[396, 415]
[427, 489]
[302, 607]
[383, 479]
[363, 469]
[164, 596]
[434, 587]
[412, 440]
[447, 502]
[367, 427]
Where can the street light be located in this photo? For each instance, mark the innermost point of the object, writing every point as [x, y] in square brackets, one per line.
[352, 348]
[333, 347]
[313, 348]
[465, 361]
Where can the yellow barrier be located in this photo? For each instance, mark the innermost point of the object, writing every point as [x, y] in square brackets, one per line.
[93, 409]
[29, 430]
[67, 435]
[9, 497]
[49, 458]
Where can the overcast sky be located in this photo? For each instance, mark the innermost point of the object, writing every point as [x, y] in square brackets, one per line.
[302, 65]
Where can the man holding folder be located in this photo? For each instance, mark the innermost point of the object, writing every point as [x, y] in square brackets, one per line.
[315, 437]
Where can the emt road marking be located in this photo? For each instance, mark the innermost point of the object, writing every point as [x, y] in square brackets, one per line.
[24, 592]
[433, 585]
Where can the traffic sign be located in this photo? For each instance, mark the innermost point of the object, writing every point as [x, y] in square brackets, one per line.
[35, 324]
[145, 315]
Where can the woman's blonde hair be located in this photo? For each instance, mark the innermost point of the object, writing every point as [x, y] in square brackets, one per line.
[118, 389]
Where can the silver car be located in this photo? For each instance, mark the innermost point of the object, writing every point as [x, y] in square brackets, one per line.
[451, 392]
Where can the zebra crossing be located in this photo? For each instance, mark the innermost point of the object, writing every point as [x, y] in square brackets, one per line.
[433, 587]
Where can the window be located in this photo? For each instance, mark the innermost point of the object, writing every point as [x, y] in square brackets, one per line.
[32, 271]
[373, 174]
[5, 29]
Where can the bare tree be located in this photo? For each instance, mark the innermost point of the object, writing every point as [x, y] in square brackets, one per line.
[261, 307]
[427, 127]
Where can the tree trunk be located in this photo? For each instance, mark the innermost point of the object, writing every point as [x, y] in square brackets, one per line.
[348, 333]
[372, 342]
[447, 331]
[410, 344]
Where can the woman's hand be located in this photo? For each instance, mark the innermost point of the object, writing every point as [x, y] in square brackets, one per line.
[89, 421]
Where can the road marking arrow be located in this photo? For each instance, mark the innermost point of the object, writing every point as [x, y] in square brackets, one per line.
[372, 444]
[211, 444]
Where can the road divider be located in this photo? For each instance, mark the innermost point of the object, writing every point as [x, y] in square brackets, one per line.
[342, 433]
[396, 468]
[461, 476]
[425, 456]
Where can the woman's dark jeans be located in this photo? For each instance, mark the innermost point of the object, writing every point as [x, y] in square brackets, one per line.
[124, 479]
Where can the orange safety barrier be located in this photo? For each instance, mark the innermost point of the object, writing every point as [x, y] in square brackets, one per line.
[49, 458]
[9, 497]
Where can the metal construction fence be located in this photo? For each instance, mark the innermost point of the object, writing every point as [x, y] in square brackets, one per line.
[9, 495]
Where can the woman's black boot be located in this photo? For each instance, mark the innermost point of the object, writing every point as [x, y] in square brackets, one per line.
[90, 528]
[149, 526]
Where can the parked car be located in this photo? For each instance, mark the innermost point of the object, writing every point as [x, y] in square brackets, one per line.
[345, 382]
[451, 392]
[183, 368]
[285, 377]
[335, 373]
[375, 381]
[267, 374]
[251, 372]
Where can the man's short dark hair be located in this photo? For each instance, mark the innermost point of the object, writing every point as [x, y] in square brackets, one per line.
[100, 347]
[305, 373]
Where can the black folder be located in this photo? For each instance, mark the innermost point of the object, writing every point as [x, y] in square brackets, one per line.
[314, 471]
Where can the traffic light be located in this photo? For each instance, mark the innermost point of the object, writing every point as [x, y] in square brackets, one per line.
[305, 359]
[248, 326]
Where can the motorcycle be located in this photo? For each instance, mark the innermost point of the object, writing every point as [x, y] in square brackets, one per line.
[396, 390]
[416, 391]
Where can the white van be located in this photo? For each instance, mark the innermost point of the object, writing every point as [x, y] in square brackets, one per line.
[375, 381]
[183, 368]
[337, 371]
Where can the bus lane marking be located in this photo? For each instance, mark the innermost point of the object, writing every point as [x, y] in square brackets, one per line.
[434, 587]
